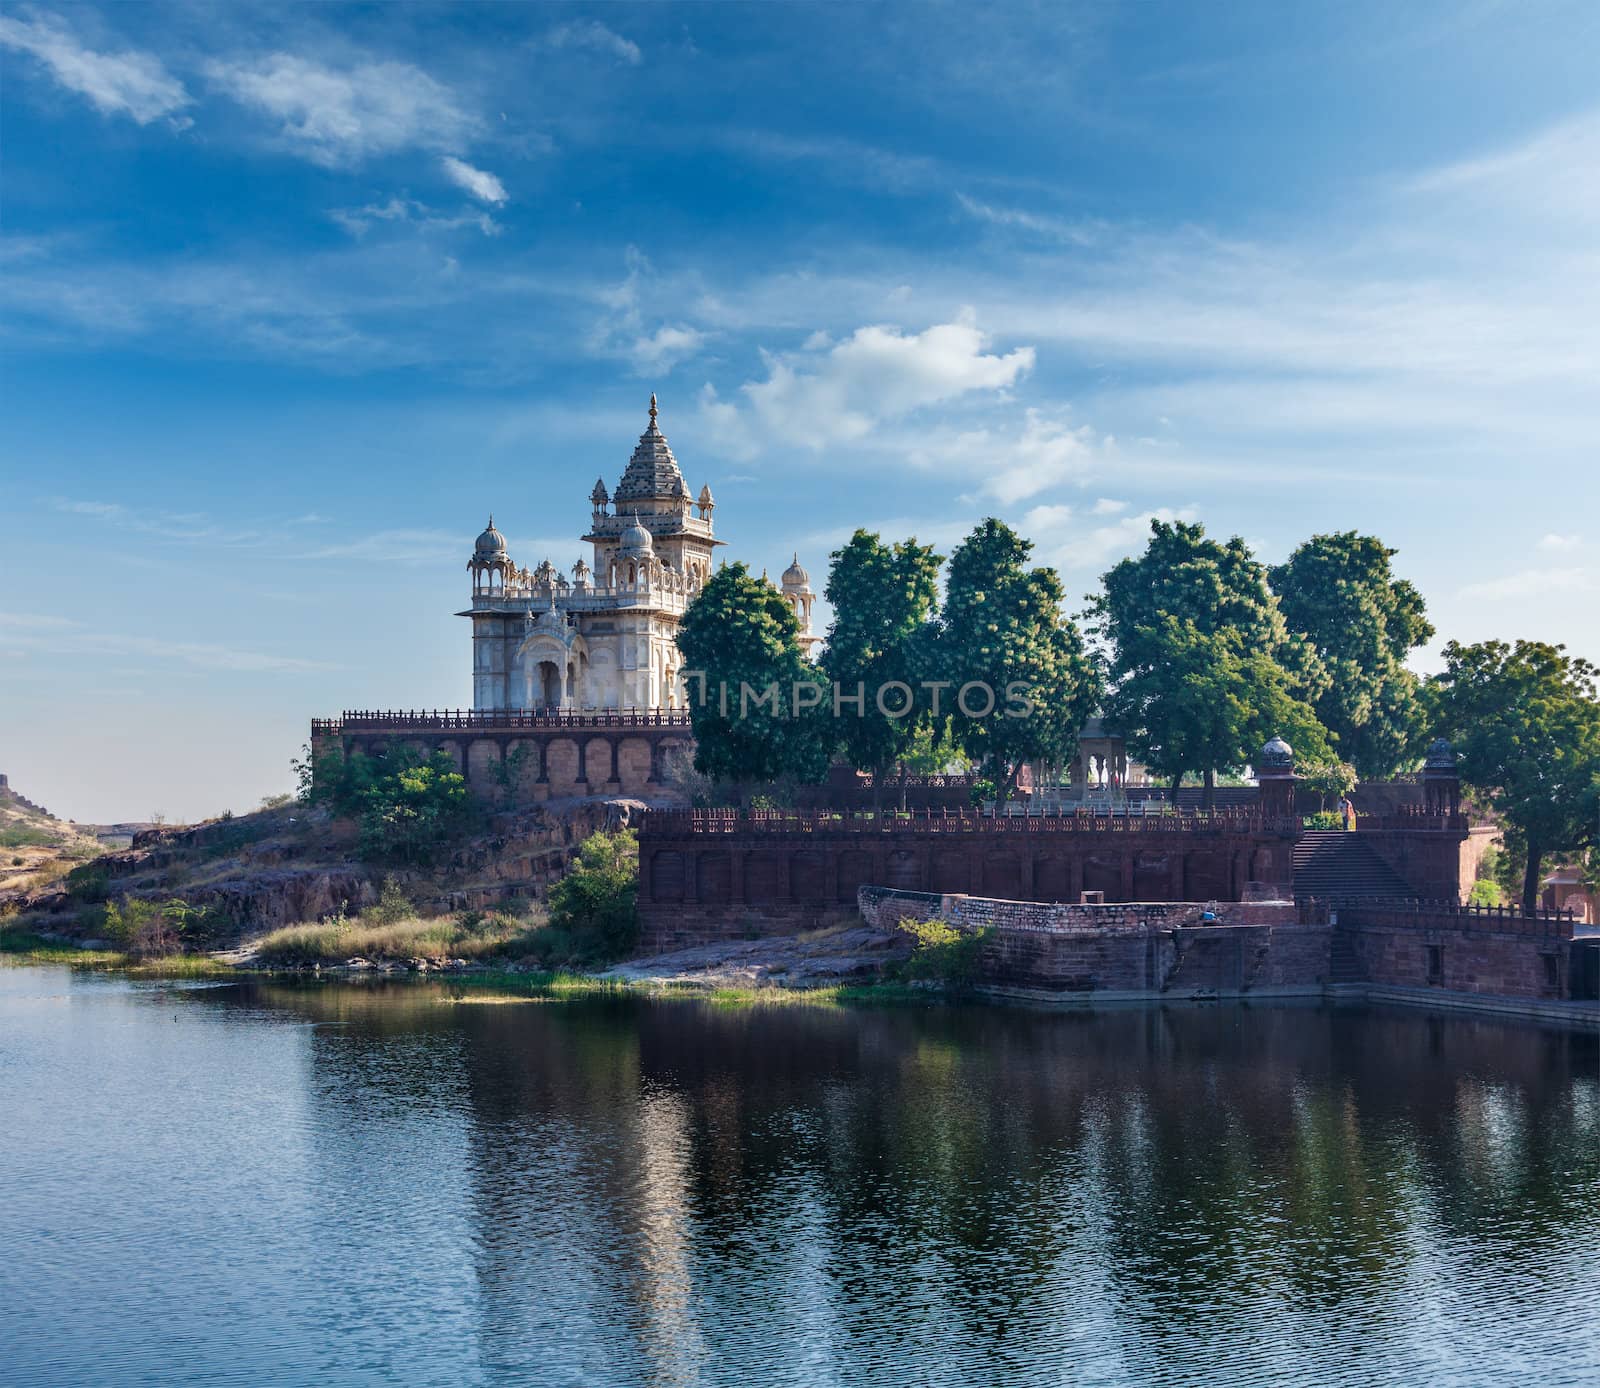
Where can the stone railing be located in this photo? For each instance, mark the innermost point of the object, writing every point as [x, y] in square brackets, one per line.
[399, 720]
[1416, 913]
[1410, 820]
[863, 822]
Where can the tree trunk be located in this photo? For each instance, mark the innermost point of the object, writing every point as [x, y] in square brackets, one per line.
[1177, 781]
[1208, 799]
[1530, 880]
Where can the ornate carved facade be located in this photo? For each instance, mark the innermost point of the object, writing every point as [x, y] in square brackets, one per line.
[605, 637]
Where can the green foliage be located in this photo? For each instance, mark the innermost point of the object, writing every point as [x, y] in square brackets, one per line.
[1339, 592]
[88, 883]
[739, 635]
[943, 954]
[148, 928]
[391, 906]
[1526, 726]
[1324, 819]
[1486, 893]
[1002, 626]
[882, 597]
[412, 806]
[593, 908]
[1203, 668]
[981, 790]
[276, 802]
[25, 836]
[1327, 779]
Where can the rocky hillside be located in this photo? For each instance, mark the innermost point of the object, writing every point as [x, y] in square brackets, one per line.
[35, 847]
[256, 872]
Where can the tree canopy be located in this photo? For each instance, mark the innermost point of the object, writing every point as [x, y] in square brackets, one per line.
[1526, 726]
[1203, 667]
[1340, 593]
[743, 666]
[882, 597]
[1019, 684]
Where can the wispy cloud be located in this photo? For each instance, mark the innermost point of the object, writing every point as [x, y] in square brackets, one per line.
[60, 637]
[341, 116]
[593, 35]
[130, 83]
[394, 212]
[482, 185]
[1534, 583]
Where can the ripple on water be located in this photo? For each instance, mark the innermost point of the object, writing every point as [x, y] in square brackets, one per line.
[354, 1185]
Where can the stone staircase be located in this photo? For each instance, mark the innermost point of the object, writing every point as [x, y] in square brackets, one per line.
[1344, 965]
[1334, 865]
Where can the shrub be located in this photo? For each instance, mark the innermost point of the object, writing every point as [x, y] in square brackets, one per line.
[411, 806]
[943, 954]
[592, 908]
[982, 789]
[88, 883]
[1324, 819]
[156, 928]
[391, 907]
[1486, 893]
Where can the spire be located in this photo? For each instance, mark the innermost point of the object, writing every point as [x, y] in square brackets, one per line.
[652, 472]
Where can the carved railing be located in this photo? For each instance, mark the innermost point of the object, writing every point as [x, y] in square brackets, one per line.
[866, 822]
[431, 720]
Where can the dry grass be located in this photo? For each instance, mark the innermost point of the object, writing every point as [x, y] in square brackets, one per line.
[468, 936]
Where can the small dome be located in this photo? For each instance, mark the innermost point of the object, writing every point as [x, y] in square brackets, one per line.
[600, 495]
[1441, 755]
[705, 495]
[636, 539]
[491, 543]
[1277, 755]
[794, 576]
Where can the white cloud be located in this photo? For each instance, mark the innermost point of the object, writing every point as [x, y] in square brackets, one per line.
[1560, 544]
[358, 221]
[482, 185]
[1009, 464]
[665, 348]
[877, 374]
[130, 83]
[1105, 506]
[1533, 583]
[1101, 546]
[592, 34]
[58, 638]
[337, 117]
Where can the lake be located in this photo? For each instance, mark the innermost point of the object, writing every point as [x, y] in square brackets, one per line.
[343, 1184]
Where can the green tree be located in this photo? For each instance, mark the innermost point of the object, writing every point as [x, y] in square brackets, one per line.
[1339, 592]
[750, 685]
[1327, 778]
[594, 905]
[1019, 684]
[882, 598]
[1203, 668]
[1526, 726]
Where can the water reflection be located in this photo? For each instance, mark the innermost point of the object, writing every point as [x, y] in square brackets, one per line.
[623, 1191]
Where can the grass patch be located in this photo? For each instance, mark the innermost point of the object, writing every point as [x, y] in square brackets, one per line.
[471, 935]
[30, 948]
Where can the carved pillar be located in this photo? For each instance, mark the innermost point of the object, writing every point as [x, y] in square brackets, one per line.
[583, 759]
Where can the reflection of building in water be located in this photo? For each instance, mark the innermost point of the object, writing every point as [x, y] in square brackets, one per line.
[605, 638]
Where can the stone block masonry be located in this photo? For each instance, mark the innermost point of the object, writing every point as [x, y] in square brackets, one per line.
[726, 871]
[1132, 951]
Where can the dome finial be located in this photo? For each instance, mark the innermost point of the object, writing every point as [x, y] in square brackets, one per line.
[652, 407]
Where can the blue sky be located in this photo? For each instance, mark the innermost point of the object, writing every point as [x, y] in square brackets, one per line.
[293, 297]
